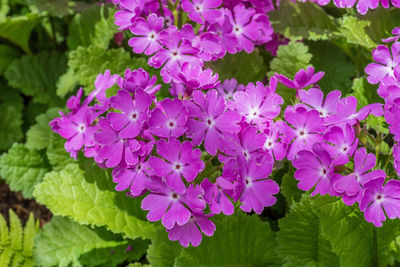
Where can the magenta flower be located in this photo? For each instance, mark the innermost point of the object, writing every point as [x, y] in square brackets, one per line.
[302, 79]
[378, 199]
[341, 143]
[168, 120]
[178, 160]
[74, 102]
[170, 207]
[202, 11]
[386, 62]
[114, 149]
[315, 99]
[273, 143]
[278, 39]
[208, 43]
[228, 88]
[194, 77]
[306, 128]
[392, 116]
[247, 29]
[257, 104]
[395, 38]
[146, 34]
[216, 195]
[132, 177]
[254, 189]
[138, 79]
[346, 112]
[77, 129]
[133, 112]
[130, 9]
[246, 144]
[314, 168]
[350, 187]
[190, 233]
[224, 31]
[102, 83]
[176, 52]
[209, 120]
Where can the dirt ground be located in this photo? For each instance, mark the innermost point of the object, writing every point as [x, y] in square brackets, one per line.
[21, 206]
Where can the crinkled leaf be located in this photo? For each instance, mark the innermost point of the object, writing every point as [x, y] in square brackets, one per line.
[18, 29]
[66, 83]
[56, 154]
[242, 66]
[353, 29]
[38, 135]
[339, 71]
[88, 62]
[289, 60]
[94, 26]
[240, 240]
[382, 21]
[62, 241]
[358, 242]
[22, 169]
[7, 55]
[37, 76]
[11, 104]
[89, 198]
[132, 251]
[300, 242]
[289, 187]
[162, 251]
[302, 21]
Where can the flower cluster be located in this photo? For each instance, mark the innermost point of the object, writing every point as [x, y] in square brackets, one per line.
[362, 5]
[213, 145]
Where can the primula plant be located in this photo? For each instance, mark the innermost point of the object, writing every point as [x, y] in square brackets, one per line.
[203, 132]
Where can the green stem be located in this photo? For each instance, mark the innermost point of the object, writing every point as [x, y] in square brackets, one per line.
[388, 160]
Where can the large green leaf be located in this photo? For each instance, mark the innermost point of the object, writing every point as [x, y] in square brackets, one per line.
[57, 8]
[243, 67]
[18, 29]
[339, 70]
[39, 134]
[7, 55]
[88, 62]
[357, 242]
[382, 21]
[303, 21]
[353, 29]
[240, 240]
[22, 169]
[62, 241]
[289, 187]
[300, 242]
[94, 26]
[37, 76]
[11, 104]
[162, 251]
[89, 198]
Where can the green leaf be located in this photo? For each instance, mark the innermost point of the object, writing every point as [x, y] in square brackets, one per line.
[37, 76]
[56, 154]
[133, 251]
[87, 63]
[89, 198]
[339, 71]
[289, 60]
[289, 187]
[300, 242]
[303, 21]
[353, 30]
[94, 26]
[7, 55]
[22, 169]
[57, 8]
[242, 66]
[240, 240]
[382, 21]
[11, 104]
[162, 251]
[358, 242]
[4, 9]
[18, 29]
[38, 135]
[62, 241]
[66, 83]
[16, 244]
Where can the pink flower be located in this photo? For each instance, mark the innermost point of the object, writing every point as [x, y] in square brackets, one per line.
[202, 11]
[386, 62]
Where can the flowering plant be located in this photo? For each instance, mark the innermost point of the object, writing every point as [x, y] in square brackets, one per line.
[223, 109]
